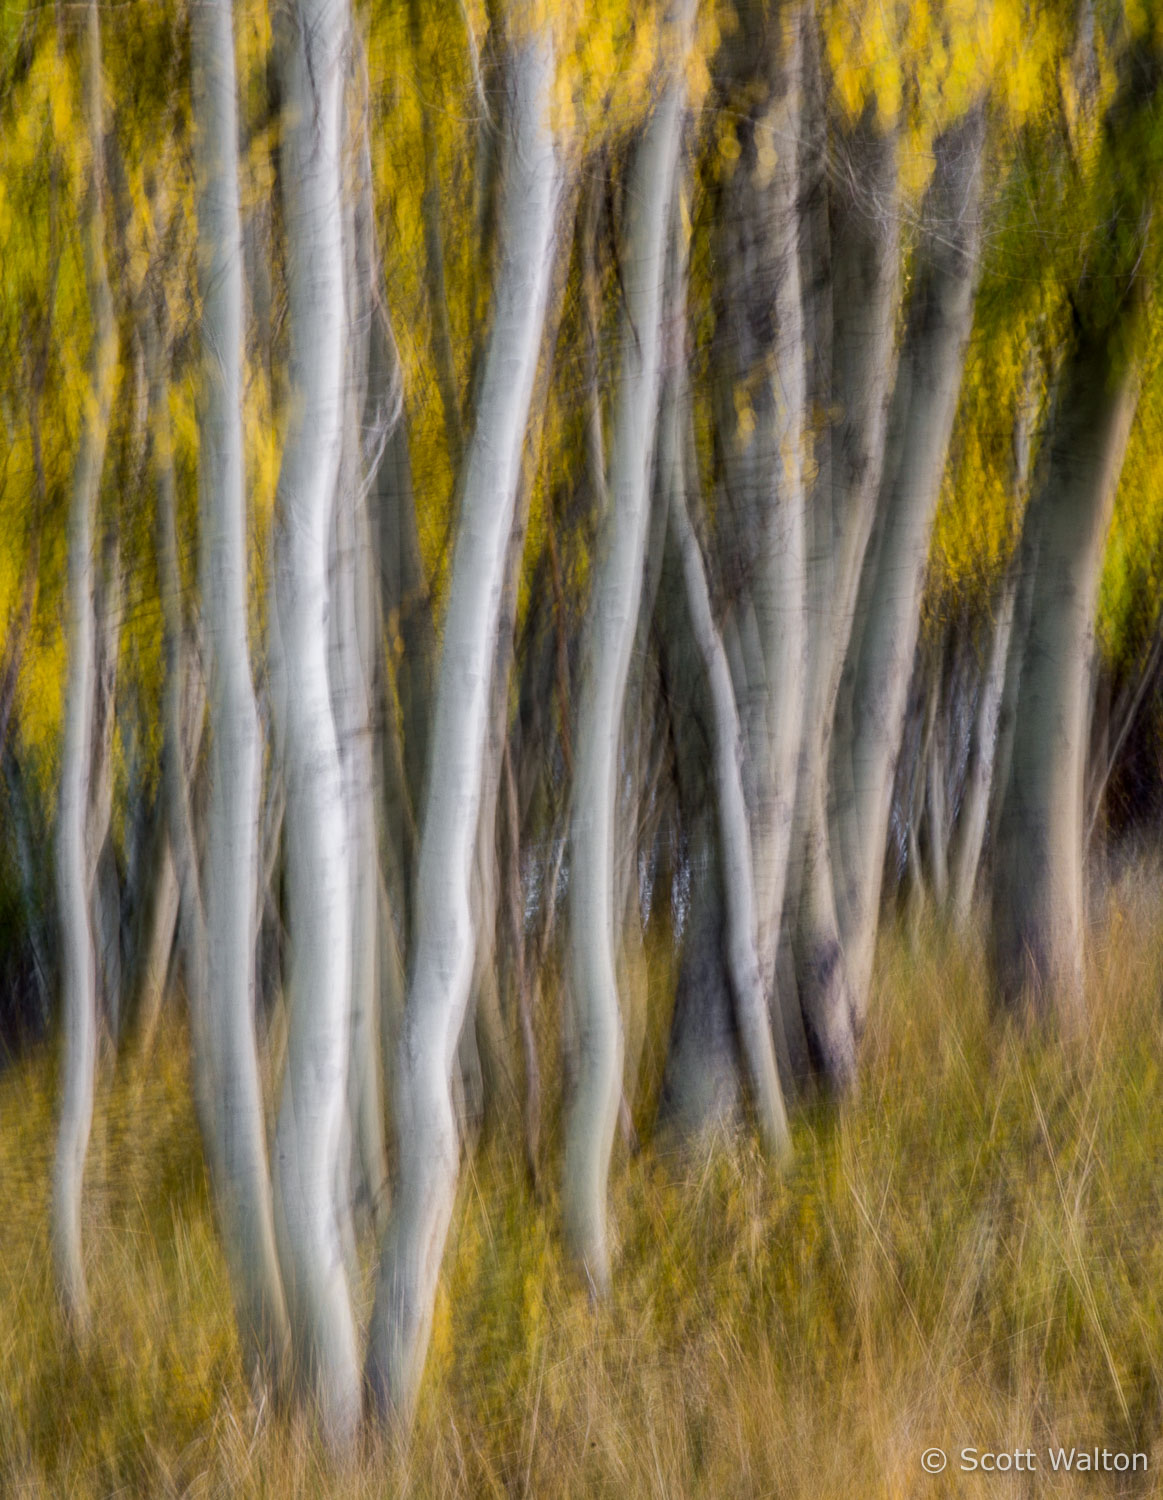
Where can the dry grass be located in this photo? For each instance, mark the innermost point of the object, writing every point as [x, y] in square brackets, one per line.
[968, 1254]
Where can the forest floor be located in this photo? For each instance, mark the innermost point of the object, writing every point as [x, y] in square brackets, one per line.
[969, 1255]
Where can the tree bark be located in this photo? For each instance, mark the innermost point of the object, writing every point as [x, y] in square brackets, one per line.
[874, 688]
[735, 856]
[73, 857]
[225, 1054]
[591, 1113]
[1037, 896]
[860, 363]
[312, 1110]
[355, 643]
[443, 960]
[762, 413]
[969, 830]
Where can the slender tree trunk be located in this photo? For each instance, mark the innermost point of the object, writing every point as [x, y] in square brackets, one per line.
[935, 770]
[354, 647]
[864, 259]
[153, 939]
[987, 761]
[225, 1055]
[739, 890]
[1037, 906]
[406, 609]
[73, 858]
[104, 881]
[592, 1111]
[969, 831]
[762, 413]
[443, 961]
[873, 695]
[309, 1133]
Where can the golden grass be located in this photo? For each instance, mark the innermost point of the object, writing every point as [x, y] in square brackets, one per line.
[969, 1254]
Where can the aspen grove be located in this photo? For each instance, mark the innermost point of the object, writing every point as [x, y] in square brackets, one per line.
[535, 532]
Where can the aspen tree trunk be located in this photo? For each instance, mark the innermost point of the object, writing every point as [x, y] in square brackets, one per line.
[353, 662]
[969, 830]
[935, 826]
[987, 768]
[591, 1113]
[225, 1056]
[863, 294]
[762, 407]
[312, 1110]
[442, 965]
[706, 1048]
[103, 881]
[873, 694]
[405, 607]
[1036, 943]
[73, 857]
[153, 941]
[491, 1033]
[702, 1086]
[739, 890]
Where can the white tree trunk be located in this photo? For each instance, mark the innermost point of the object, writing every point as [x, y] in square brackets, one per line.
[309, 1133]
[864, 265]
[749, 992]
[354, 633]
[443, 961]
[762, 413]
[873, 697]
[1037, 907]
[73, 856]
[969, 831]
[592, 1111]
[225, 1048]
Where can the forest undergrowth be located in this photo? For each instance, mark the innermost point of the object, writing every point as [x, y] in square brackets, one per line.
[970, 1253]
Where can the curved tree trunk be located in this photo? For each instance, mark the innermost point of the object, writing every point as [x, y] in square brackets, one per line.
[73, 857]
[1037, 906]
[309, 1133]
[592, 1111]
[443, 962]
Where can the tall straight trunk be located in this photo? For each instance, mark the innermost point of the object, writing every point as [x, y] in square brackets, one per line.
[225, 1054]
[486, 997]
[73, 859]
[104, 879]
[702, 1086]
[987, 771]
[762, 412]
[969, 830]
[1037, 895]
[864, 261]
[935, 825]
[153, 938]
[442, 964]
[591, 1113]
[873, 694]
[735, 856]
[312, 1111]
[406, 609]
[354, 650]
